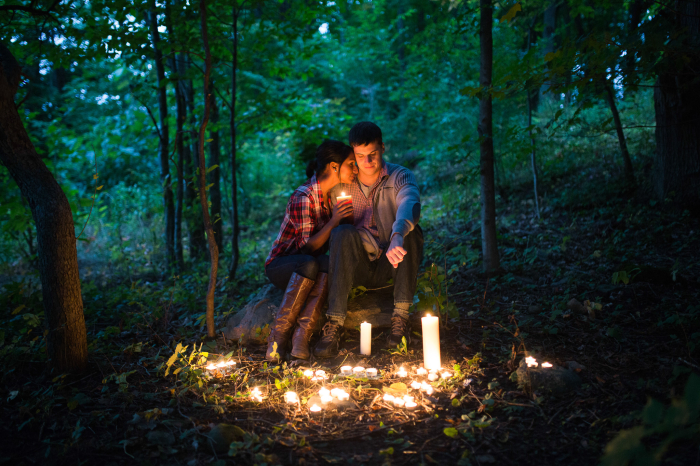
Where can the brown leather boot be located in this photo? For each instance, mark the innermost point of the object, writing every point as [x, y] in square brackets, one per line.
[294, 297]
[310, 317]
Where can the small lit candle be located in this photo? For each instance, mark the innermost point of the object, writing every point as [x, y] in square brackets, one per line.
[433, 377]
[446, 375]
[308, 373]
[410, 405]
[530, 361]
[402, 372]
[336, 391]
[346, 370]
[256, 394]
[398, 402]
[221, 364]
[421, 371]
[415, 385]
[429, 390]
[546, 364]
[326, 399]
[359, 371]
[291, 397]
[388, 397]
[366, 338]
[324, 392]
[315, 408]
[431, 342]
[321, 374]
[342, 199]
[407, 398]
[211, 367]
[230, 363]
[371, 372]
[343, 395]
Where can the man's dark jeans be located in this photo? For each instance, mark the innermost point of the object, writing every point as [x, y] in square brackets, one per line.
[280, 270]
[350, 266]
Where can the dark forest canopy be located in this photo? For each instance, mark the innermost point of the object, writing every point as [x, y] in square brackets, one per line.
[555, 143]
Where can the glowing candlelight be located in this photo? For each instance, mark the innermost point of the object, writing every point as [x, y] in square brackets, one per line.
[365, 338]
[230, 363]
[221, 364]
[359, 371]
[326, 399]
[407, 398]
[308, 373]
[421, 371]
[530, 361]
[432, 377]
[402, 372]
[371, 372]
[415, 385]
[211, 367]
[388, 397]
[291, 397]
[321, 374]
[429, 390]
[336, 391]
[324, 392]
[343, 395]
[546, 364]
[256, 394]
[426, 387]
[410, 405]
[350, 219]
[446, 375]
[398, 402]
[315, 408]
[431, 342]
[346, 370]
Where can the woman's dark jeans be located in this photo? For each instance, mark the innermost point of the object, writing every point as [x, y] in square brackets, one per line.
[280, 270]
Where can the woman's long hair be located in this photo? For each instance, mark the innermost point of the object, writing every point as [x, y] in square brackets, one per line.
[329, 151]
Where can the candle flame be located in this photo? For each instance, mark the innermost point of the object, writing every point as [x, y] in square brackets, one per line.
[546, 364]
[530, 361]
[291, 397]
[342, 194]
[315, 408]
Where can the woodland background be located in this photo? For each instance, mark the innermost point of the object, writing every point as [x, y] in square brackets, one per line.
[594, 178]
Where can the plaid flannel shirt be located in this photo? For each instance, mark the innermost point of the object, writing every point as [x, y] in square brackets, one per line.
[363, 207]
[305, 216]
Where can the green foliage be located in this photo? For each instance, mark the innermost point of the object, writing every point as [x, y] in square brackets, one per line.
[661, 427]
[431, 294]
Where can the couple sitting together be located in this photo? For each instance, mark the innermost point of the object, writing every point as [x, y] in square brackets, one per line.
[325, 246]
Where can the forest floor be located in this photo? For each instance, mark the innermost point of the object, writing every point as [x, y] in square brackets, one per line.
[637, 265]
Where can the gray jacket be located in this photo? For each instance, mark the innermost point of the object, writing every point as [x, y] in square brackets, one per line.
[396, 208]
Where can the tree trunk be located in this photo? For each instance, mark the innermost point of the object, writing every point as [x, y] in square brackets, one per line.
[629, 170]
[196, 232]
[235, 254]
[533, 158]
[215, 173]
[677, 105]
[213, 248]
[66, 340]
[179, 141]
[164, 139]
[488, 195]
[550, 26]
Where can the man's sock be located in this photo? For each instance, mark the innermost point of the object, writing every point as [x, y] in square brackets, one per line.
[401, 310]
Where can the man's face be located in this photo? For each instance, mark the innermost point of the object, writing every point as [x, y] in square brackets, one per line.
[369, 158]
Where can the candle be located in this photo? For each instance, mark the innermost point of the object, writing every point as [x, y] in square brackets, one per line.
[415, 385]
[346, 370]
[315, 408]
[431, 342]
[343, 395]
[256, 394]
[324, 392]
[429, 390]
[336, 391]
[291, 397]
[359, 371]
[432, 376]
[351, 218]
[309, 374]
[326, 399]
[410, 405]
[211, 367]
[421, 371]
[407, 398]
[321, 374]
[530, 361]
[446, 375]
[546, 364]
[388, 397]
[371, 372]
[366, 338]
[230, 363]
[402, 372]
[398, 402]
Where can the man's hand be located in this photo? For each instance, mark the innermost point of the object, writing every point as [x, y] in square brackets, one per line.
[396, 252]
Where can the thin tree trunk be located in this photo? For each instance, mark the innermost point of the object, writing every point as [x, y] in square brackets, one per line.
[550, 26]
[533, 158]
[215, 173]
[235, 254]
[164, 139]
[488, 195]
[213, 248]
[66, 340]
[629, 169]
[179, 142]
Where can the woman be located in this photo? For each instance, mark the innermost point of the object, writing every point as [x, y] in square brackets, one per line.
[297, 263]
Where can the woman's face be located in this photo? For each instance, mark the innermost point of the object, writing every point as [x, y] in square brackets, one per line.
[348, 170]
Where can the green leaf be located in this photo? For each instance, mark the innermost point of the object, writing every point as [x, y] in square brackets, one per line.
[451, 432]
[511, 13]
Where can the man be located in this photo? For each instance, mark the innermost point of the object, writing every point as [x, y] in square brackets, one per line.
[384, 243]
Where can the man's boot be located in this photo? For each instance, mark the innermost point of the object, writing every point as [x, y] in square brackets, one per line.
[294, 297]
[328, 345]
[400, 329]
[310, 317]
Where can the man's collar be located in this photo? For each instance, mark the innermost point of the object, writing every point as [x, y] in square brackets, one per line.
[382, 173]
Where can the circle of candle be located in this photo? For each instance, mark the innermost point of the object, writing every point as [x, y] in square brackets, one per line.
[315, 408]
[398, 402]
[445, 375]
[388, 397]
[402, 372]
[309, 373]
[365, 338]
[407, 398]
[432, 376]
[431, 342]
[291, 397]
[410, 405]
[421, 371]
[358, 371]
[326, 399]
[343, 395]
[546, 364]
[324, 392]
[346, 370]
[371, 372]
[321, 374]
[415, 385]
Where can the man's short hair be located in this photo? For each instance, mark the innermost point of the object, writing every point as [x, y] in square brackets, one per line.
[363, 133]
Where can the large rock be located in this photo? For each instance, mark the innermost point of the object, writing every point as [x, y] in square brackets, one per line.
[554, 380]
[252, 323]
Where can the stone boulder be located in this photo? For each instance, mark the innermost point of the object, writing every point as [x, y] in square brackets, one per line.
[252, 323]
[555, 380]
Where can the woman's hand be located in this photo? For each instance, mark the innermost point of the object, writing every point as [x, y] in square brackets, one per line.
[341, 211]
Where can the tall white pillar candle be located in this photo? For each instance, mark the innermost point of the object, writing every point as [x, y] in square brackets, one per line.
[431, 342]
[365, 338]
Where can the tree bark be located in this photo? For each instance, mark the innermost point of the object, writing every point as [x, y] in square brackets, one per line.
[66, 340]
[629, 169]
[488, 196]
[163, 132]
[533, 154]
[213, 248]
[677, 105]
[215, 173]
[235, 253]
[550, 25]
